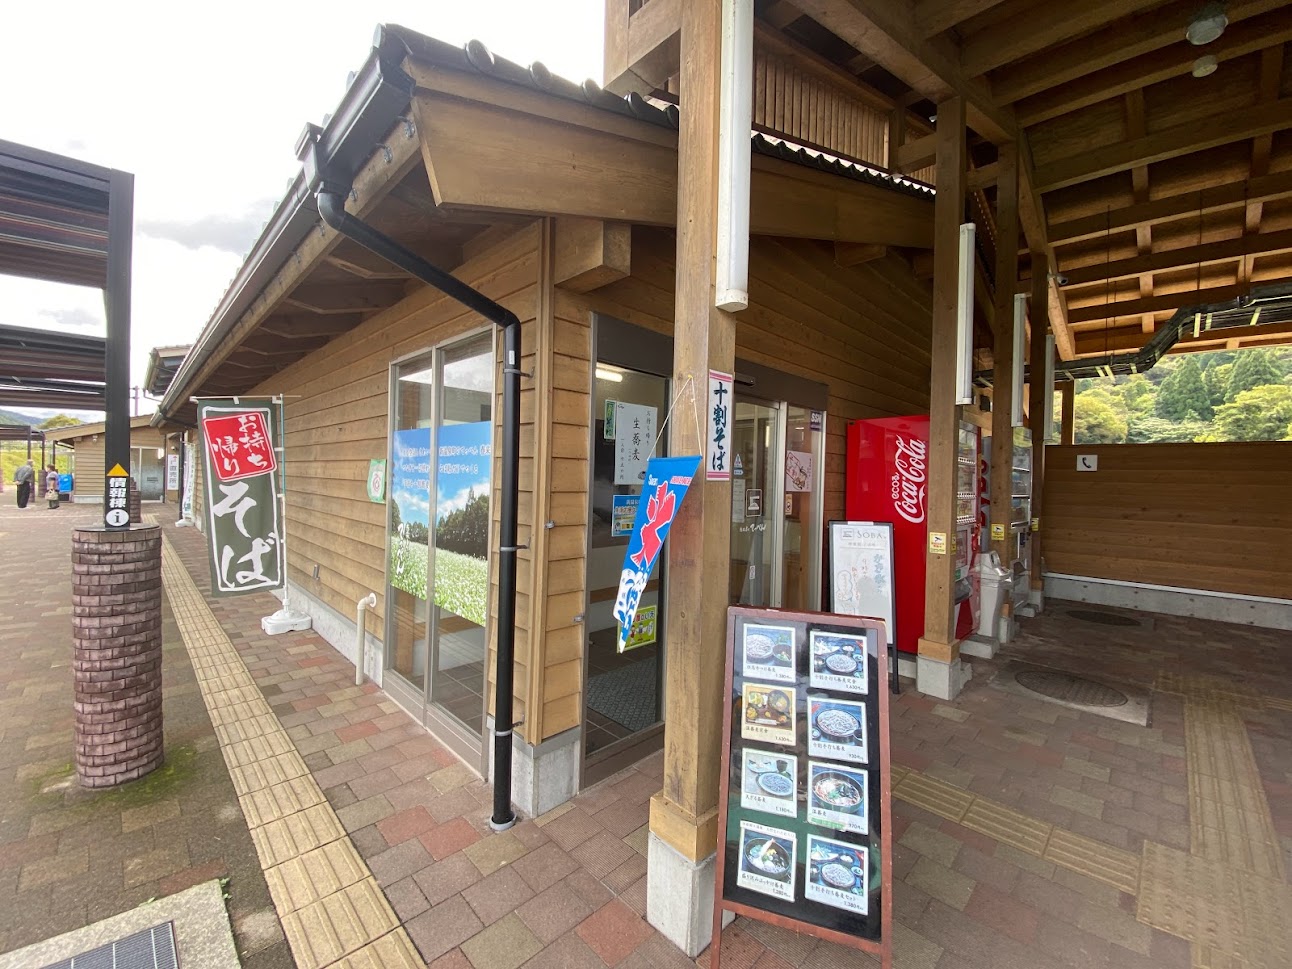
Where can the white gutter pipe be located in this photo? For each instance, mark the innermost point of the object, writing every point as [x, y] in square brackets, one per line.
[360, 636]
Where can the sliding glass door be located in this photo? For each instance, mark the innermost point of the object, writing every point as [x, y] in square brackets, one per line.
[437, 572]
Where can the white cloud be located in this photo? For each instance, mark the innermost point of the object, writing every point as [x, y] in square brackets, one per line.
[446, 506]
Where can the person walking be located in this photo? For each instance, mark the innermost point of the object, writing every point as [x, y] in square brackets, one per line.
[24, 478]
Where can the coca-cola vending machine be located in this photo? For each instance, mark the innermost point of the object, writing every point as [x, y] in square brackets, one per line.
[887, 480]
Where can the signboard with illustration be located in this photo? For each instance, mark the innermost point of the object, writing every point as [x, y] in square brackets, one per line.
[804, 816]
[239, 474]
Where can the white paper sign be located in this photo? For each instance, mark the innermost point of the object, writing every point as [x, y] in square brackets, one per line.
[718, 454]
[172, 472]
[798, 471]
[1087, 462]
[634, 438]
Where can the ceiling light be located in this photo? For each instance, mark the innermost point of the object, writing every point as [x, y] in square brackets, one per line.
[614, 376]
[1207, 24]
[1205, 66]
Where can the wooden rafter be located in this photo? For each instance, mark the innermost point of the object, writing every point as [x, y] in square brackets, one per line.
[935, 16]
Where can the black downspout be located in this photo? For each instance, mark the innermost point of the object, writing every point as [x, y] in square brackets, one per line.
[332, 208]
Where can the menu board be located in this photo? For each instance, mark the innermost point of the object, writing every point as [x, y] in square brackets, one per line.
[803, 830]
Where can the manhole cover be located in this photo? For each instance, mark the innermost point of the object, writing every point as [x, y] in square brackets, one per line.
[1103, 618]
[1069, 688]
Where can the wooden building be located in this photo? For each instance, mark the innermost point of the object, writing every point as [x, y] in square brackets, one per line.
[591, 214]
[154, 451]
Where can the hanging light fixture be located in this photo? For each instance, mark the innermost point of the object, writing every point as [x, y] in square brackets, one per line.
[1207, 24]
[1205, 65]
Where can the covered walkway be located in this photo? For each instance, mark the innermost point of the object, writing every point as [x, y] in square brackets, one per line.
[1026, 834]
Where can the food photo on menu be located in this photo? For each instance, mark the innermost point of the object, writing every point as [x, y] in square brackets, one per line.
[836, 797]
[837, 729]
[838, 662]
[768, 714]
[767, 858]
[836, 874]
[769, 653]
[768, 782]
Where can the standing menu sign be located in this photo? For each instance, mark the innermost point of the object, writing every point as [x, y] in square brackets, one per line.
[803, 832]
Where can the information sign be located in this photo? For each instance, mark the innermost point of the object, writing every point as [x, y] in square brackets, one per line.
[804, 829]
[118, 484]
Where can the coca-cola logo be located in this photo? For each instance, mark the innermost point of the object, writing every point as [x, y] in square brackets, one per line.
[910, 480]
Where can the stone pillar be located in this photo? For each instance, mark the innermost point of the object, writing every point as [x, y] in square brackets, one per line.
[117, 653]
[136, 504]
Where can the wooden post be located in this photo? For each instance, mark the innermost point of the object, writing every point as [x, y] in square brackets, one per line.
[1002, 401]
[938, 644]
[683, 816]
[1069, 391]
[1039, 314]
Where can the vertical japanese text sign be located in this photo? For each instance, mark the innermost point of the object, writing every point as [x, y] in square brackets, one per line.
[239, 473]
[666, 484]
[718, 405]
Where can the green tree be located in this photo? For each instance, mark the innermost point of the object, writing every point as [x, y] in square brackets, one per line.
[1253, 368]
[1259, 414]
[57, 421]
[1096, 421]
[1183, 392]
[1216, 380]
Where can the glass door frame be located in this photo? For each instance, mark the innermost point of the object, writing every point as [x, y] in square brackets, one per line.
[471, 747]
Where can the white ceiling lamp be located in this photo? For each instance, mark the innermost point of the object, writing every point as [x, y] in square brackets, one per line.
[1207, 24]
[1205, 65]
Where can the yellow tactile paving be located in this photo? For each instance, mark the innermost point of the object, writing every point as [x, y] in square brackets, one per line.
[1226, 909]
[332, 909]
[1109, 864]
[1278, 703]
[943, 799]
[1008, 826]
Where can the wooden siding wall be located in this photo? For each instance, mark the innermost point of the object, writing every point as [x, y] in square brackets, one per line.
[813, 111]
[863, 331]
[338, 422]
[1196, 516]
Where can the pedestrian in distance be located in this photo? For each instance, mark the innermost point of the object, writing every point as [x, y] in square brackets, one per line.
[24, 478]
[51, 486]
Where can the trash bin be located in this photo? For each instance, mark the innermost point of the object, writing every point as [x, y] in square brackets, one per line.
[994, 583]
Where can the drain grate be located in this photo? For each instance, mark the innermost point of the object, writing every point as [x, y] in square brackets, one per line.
[1069, 688]
[1103, 618]
[150, 949]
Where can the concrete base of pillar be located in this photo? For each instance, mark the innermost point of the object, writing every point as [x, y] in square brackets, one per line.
[1036, 597]
[941, 680]
[543, 776]
[679, 896]
[980, 646]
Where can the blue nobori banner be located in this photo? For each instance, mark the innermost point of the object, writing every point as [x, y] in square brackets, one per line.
[665, 485]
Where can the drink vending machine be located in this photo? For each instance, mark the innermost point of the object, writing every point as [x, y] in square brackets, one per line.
[886, 480]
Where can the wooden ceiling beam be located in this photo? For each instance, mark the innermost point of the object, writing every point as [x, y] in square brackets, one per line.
[781, 14]
[1181, 139]
[1154, 304]
[1123, 339]
[1271, 74]
[888, 33]
[291, 327]
[590, 253]
[1122, 41]
[1204, 255]
[1215, 199]
[1245, 37]
[1031, 216]
[1012, 37]
[935, 16]
[346, 297]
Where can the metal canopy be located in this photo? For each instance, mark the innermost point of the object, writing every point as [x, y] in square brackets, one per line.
[67, 221]
[44, 368]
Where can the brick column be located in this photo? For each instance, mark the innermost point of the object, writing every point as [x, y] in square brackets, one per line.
[135, 502]
[117, 653]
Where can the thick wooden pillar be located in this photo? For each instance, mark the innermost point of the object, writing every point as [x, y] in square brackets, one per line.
[1039, 313]
[683, 816]
[1002, 401]
[938, 644]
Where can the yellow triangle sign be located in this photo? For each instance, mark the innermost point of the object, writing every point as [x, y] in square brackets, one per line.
[118, 472]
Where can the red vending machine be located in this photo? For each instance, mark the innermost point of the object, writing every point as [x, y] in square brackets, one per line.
[887, 481]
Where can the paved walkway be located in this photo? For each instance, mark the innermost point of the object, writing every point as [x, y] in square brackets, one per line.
[1026, 835]
[69, 857]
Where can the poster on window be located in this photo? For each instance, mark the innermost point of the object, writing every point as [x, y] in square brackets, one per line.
[410, 509]
[464, 455]
[239, 473]
[635, 431]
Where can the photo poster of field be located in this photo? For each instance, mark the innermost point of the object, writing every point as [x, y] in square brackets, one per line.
[410, 508]
[464, 462]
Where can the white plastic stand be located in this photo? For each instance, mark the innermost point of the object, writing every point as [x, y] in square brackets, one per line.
[285, 620]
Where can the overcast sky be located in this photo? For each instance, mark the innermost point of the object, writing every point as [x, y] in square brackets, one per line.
[203, 103]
